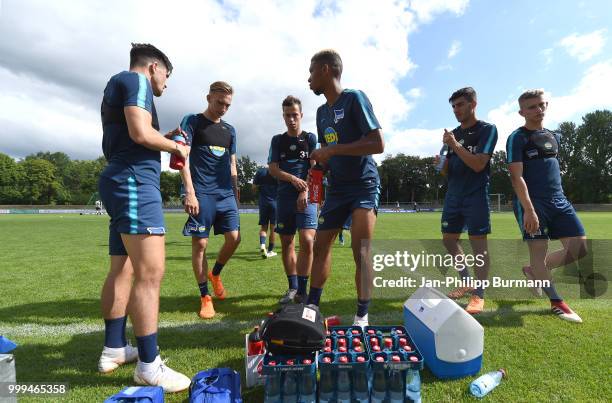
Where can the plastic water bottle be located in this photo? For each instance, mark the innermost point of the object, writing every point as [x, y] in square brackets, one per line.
[290, 385]
[396, 387]
[307, 388]
[177, 162]
[326, 383]
[413, 385]
[443, 153]
[272, 392]
[379, 384]
[344, 386]
[487, 382]
[360, 383]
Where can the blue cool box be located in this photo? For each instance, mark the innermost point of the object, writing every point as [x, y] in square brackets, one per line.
[450, 340]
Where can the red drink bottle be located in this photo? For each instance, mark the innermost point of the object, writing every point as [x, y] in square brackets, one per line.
[315, 185]
[256, 344]
[177, 162]
[333, 320]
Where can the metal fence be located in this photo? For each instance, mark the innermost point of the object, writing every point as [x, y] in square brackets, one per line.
[402, 207]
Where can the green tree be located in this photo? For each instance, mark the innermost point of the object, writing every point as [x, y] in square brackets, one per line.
[435, 183]
[406, 178]
[595, 140]
[41, 185]
[59, 159]
[246, 171]
[11, 177]
[81, 179]
[585, 158]
[500, 176]
[170, 185]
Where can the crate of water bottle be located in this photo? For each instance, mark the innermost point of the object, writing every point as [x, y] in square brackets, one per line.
[343, 377]
[345, 339]
[290, 379]
[390, 338]
[395, 377]
[396, 360]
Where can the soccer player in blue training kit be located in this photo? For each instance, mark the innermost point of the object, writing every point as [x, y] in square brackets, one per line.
[268, 188]
[129, 188]
[211, 190]
[466, 204]
[349, 134]
[540, 206]
[289, 161]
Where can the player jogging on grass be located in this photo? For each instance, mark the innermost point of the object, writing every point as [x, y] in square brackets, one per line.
[540, 206]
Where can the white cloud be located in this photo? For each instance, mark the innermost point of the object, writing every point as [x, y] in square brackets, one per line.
[584, 47]
[40, 116]
[55, 63]
[592, 92]
[414, 93]
[423, 142]
[454, 49]
[426, 10]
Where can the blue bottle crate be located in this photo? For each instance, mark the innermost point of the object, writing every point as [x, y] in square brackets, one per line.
[349, 333]
[343, 381]
[291, 380]
[394, 381]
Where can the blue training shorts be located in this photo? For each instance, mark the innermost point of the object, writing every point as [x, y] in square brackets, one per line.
[557, 218]
[215, 211]
[339, 205]
[289, 220]
[267, 213]
[469, 212]
[133, 208]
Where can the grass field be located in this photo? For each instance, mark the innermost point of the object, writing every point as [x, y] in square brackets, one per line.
[53, 266]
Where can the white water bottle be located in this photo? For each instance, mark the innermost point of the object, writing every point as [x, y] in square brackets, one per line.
[487, 382]
[443, 153]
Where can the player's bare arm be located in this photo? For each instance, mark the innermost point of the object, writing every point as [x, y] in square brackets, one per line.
[142, 132]
[477, 162]
[530, 220]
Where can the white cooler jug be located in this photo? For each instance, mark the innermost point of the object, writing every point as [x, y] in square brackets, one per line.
[449, 338]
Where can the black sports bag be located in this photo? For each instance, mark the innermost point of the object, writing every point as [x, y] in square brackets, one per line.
[294, 329]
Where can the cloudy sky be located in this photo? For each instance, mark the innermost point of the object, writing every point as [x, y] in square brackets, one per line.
[408, 56]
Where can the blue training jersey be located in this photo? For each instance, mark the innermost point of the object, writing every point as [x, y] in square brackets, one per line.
[349, 119]
[268, 186]
[478, 139]
[538, 150]
[293, 156]
[212, 144]
[125, 157]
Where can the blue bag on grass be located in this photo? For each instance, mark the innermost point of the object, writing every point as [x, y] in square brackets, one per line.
[217, 385]
[6, 346]
[138, 394]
